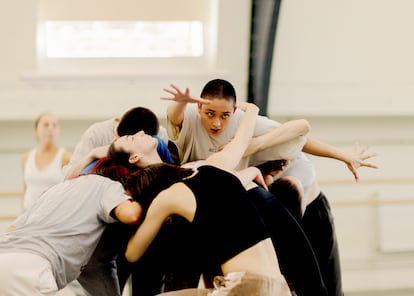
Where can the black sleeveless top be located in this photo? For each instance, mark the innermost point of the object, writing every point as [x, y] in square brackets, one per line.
[226, 222]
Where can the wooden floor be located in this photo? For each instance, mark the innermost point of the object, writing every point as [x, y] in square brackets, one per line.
[383, 293]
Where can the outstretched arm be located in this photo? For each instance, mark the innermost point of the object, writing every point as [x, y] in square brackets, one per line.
[354, 159]
[285, 132]
[175, 111]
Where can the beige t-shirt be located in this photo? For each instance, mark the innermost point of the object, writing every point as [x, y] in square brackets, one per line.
[194, 143]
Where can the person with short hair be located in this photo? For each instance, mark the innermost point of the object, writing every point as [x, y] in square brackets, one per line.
[246, 247]
[201, 129]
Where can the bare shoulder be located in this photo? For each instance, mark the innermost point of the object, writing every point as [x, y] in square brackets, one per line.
[25, 156]
[66, 157]
[178, 199]
[175, 193]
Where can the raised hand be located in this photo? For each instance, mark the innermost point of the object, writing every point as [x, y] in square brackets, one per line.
[357, 158]
[182, 97]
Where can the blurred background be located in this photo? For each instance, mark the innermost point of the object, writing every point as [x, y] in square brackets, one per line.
[346, 66]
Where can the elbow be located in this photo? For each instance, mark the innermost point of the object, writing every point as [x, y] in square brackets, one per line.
[130, 257]
[134, 216]
[305, 127]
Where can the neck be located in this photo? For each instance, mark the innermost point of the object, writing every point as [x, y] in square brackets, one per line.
[47, 147]
[151, 159]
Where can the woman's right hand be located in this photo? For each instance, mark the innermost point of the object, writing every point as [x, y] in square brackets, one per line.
[182, 97]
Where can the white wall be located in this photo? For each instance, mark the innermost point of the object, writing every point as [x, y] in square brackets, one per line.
[344, 58]
[344, 65]
[24, 94]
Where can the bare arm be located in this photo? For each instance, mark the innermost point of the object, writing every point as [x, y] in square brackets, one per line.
[281, 134]
[66, 158]
[128, 212]
[148, 230]
[248, 174]
[354, 159]
[23, 164]
[175, 111]
[96, 153]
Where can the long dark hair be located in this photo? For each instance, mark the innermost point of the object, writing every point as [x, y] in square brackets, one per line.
[145, 184]
[115, 170]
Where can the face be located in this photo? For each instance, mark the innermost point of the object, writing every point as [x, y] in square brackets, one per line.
[216, 115]
[138, 144]
[47, 129]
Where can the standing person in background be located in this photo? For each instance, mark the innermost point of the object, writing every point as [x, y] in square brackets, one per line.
[42, 165]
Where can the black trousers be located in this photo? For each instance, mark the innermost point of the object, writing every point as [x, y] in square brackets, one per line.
[318, 224]
[297, 260]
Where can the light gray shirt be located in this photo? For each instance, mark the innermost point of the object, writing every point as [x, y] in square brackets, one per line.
[65, 224]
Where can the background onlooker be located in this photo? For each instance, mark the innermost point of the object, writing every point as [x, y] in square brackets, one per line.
[42, 165]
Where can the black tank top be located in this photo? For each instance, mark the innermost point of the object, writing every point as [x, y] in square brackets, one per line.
[226, 222]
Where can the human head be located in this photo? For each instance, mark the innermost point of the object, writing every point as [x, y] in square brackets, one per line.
[114, 169]
[145, 183]
[142, 184]
[139, 149]
[272, 167]
[137, 119]
[217, 115]
[46, 128]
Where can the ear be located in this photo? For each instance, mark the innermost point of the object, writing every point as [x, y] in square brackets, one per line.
[133, 159]
[199, 107]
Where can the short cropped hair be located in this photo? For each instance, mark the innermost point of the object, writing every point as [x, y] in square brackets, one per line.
[220, 89]
[137, 119]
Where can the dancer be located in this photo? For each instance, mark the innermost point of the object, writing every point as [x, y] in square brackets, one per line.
[247, 247]
[200, 129]
[49, 244]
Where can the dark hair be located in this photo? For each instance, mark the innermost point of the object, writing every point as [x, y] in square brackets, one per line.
[270, 166]
[288, 193]
[145, 184]
[137, 119]
[118, 154]
[115, 170]
[219, 88]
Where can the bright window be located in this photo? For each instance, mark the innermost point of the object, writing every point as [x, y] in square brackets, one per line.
[90, 37]
[114, 39]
